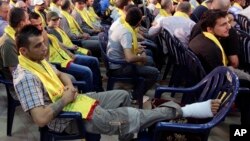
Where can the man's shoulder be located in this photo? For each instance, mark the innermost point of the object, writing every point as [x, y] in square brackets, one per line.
[5, 40]
[20, 74]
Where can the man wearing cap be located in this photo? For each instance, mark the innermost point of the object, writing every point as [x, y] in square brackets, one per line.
[40, 8]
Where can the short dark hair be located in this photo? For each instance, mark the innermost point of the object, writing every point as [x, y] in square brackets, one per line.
[74, 1]
[22, 37]
[209, 18]
[15, 16]
[121, 3]
[54, 1]
[65, 4]
[34, 15]
[133, 16]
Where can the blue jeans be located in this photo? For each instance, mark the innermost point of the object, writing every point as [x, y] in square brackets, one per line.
[86, 68]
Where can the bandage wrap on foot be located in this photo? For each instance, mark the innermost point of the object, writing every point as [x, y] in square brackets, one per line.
[198, 110]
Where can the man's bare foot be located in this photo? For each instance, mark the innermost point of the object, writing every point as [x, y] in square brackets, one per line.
[215, 105]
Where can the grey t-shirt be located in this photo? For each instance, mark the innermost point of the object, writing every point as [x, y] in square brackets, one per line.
[119, 39]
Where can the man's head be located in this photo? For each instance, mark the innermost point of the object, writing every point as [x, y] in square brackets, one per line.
[223, 5]
[121, 3]
[18, 18]
[167, 5]
[66, 5]
[53, 19]
[241, 2]
[4, 9]
[216, 22]
[27, 2]
[21, 4]
[89, 2]
[184, 7]
[36, 20]
[30, 43]
[40, 5]
[57, 2]
[79, 4]
[133, 16]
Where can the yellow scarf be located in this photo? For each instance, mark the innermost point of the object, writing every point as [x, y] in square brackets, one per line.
[85, 17]
[52, 4]
[134, 37]
[10, 31]
[121, 13]
[12, 3]
[41, 16]
[67, 42]
[181, 14]
[237, 5]
[164, 13]
[215, 40]
[92, 15]
[83, 104]
[158, 5]
[204, 4]
[73, 25]
[57, 55]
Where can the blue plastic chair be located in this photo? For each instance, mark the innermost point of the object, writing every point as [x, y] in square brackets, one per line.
[220, 83]
[244, 23]
[176, 57]
[103, 39]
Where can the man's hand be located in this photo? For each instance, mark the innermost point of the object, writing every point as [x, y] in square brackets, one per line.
[85, 36]
[69, 95]
[75, 47]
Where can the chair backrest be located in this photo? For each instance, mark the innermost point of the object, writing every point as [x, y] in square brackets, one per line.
[244, 47]
[221, 84]
[244, 23]
[194, 67]
[174, 47]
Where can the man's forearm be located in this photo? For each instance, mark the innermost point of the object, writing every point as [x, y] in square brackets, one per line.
[57, 107]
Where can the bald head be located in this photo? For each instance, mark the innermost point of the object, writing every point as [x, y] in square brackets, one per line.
[166, 4]
[221, 4]
[21, 4]
[184, 7]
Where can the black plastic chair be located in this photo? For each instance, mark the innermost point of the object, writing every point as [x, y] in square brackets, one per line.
[47, 135]
[244, 23]
[244, 48]
[12, 104]
[222, 84]
[103, 39]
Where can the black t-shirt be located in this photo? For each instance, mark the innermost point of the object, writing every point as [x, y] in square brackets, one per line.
[230, 44]
[207, 51]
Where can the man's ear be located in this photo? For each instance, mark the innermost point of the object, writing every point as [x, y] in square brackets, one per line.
[210, 29]
[22, 50]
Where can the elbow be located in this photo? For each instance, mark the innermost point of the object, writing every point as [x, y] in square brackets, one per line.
[41, 122]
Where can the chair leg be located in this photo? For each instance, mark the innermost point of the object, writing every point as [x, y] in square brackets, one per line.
[110, 84]
[10, 117]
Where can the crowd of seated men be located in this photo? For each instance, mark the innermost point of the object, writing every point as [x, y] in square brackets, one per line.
[67, 38]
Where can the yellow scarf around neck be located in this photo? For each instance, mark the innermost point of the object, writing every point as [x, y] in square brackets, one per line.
[10, 31]
[73, 25]
[121, 13]
[92, 15]
[67, 42]
[204, 4]
[41, 16]
[181, 14]
[57, 55]
[237, 5]
[134, 37]
[85, 17]
[216, 41]
[52, 4]
[83, 104]
[158, 5]
[164, 13]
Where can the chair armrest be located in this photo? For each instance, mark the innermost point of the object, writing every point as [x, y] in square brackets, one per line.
[161, 89]
[182, 127]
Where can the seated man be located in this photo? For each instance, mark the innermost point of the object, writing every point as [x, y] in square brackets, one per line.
[83, 68]
[4, 10]
[82, 18]
[74, 31]
[123, 45]
[44, 92]
[211, 52]
[179, 25]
